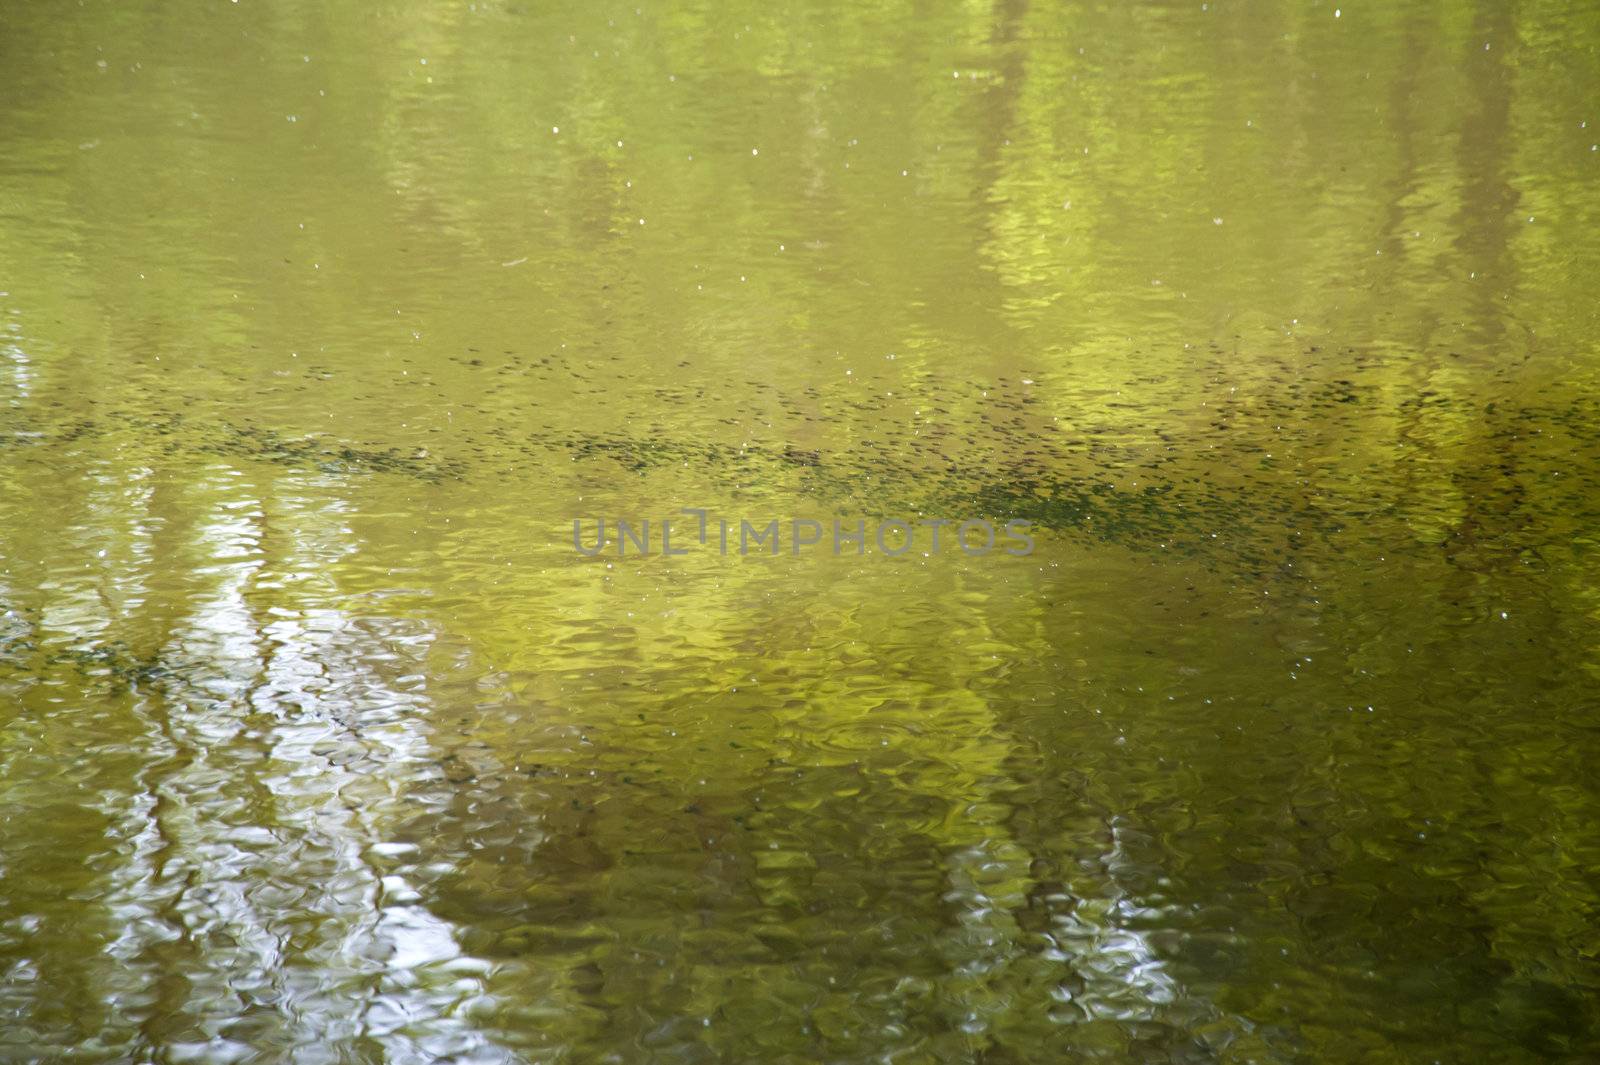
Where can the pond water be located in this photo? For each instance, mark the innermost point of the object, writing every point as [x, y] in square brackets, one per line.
[321, 325]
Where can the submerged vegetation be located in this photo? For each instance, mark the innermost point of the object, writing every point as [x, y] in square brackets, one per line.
[1214, 487]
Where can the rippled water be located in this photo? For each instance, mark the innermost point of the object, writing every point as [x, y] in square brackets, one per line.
[319, 742]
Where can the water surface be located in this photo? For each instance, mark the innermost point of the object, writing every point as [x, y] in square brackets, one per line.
[321, 324]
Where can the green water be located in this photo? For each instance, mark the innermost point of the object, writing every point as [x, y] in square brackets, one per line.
[320, 324]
